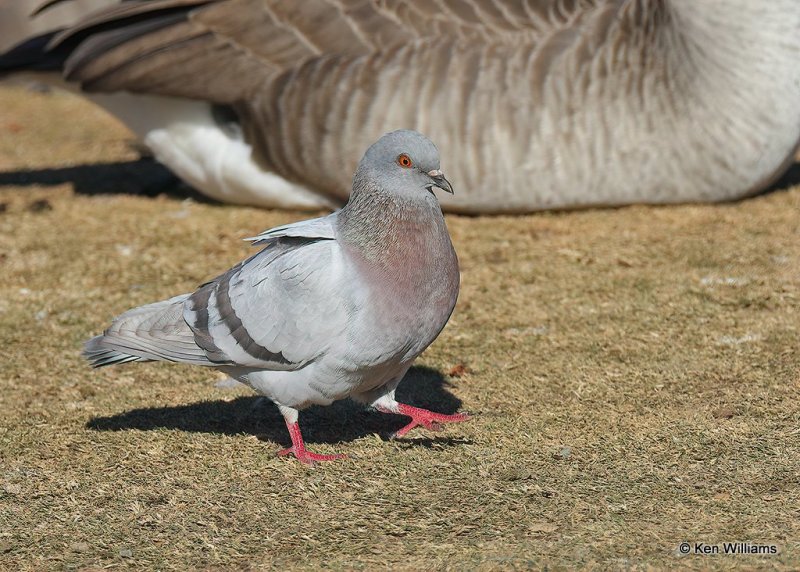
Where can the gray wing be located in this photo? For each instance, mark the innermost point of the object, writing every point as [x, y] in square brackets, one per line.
[279, 310]
[317, 228]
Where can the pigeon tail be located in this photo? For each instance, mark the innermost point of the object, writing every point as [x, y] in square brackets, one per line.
[155, 332]
[100, 355]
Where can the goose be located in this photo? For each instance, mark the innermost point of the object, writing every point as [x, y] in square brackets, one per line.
[16, 25]
[538, 104]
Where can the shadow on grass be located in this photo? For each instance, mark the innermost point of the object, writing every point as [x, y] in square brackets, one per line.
[144, 177]
[789, 179]
[343, 421]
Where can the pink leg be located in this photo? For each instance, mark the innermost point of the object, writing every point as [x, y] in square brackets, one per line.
[298, 448]
[427, 419]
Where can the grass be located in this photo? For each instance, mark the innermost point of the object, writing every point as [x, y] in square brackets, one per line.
[634, 375]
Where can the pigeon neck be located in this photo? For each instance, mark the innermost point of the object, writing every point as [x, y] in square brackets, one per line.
[378, 224]
[402, 249]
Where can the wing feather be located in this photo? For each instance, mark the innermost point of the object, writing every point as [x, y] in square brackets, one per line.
[138, 46]
[322, 228]
[278, 310]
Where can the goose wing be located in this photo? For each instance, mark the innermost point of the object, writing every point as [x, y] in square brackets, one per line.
[224, 50]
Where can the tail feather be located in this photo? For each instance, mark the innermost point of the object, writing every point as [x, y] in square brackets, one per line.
[155, 332]
[99, 355]
[32, 55]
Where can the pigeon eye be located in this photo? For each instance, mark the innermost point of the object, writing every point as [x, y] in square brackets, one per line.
[404, 161]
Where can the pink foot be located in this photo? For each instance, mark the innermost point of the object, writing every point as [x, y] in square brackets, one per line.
[427, 419]
[307, 457]
[298, 448]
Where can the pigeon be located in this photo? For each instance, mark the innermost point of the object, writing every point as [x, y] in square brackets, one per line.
[333, 307]
[536, 104]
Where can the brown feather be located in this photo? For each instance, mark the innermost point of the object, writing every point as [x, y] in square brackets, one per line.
[137, 45]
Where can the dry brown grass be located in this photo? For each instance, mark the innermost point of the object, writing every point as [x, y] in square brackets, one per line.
[634, 374]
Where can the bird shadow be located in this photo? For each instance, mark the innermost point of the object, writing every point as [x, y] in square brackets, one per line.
[143, 177]
[789, 179]
[343, 421]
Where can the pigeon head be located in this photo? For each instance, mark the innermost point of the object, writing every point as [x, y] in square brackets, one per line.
[404, 163]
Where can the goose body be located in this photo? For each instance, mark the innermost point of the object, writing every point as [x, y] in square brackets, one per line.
[16, 23]
[538, 104]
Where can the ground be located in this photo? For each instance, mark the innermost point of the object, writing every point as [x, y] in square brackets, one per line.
[634, 377]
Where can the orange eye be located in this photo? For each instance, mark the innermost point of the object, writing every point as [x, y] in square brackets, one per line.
[404, 161]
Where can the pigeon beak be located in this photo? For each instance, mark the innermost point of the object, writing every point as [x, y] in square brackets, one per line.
[440, 181]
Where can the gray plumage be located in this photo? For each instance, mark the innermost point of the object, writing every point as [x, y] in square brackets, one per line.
[333, 307]
[536, 103]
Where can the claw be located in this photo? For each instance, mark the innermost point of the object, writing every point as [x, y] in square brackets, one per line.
[307, 457]
[428, 419]
[298, 448]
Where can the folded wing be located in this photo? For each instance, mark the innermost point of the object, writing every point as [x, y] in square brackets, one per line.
[223, 50]
[279, 310]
